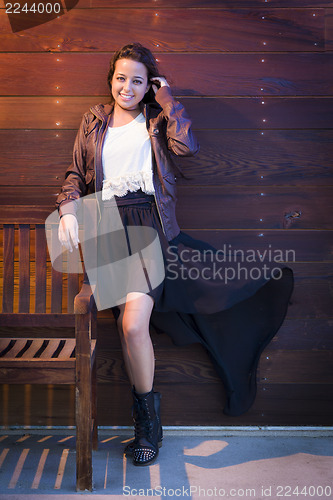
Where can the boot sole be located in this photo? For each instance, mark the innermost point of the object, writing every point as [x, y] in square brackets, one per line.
[130, 453]
[146, 463]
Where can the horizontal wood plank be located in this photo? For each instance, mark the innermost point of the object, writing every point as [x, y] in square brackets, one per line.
[173, 30]
[63, 373]
[309, 246]
[329, 29]
[254, 207]
[229, 74]
[295, 333]
[311, 299]
[42, 319]
[296, 245]
[206, 113]
[191, 365]
[296, 367]
[226, 157]
[250, 113]
[304, 334]
[243, 207]
[276, 404]
[222, 4]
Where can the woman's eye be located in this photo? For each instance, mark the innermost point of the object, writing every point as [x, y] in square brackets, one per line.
[137, 81]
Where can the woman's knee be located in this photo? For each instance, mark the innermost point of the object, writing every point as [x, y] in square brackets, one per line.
[134, 331]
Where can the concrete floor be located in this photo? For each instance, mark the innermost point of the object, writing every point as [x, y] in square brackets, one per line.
[193, 463]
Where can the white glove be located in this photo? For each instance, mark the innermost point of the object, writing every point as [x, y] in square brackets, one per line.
[68, 232]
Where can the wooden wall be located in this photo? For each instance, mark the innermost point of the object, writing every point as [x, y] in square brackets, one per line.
[256, 77]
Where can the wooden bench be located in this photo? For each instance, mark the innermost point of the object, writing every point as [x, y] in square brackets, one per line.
[35, 295]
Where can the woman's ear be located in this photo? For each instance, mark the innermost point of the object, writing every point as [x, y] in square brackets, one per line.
[148, 88]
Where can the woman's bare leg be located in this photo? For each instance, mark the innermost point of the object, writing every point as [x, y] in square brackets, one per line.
[137, 345]
[123, 344]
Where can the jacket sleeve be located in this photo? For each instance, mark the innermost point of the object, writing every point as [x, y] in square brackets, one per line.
[181, 140]
[74, 186]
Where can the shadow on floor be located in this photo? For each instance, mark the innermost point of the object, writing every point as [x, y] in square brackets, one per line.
[41, 464]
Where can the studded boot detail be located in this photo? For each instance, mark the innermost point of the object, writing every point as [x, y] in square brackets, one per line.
[147, 426]
[157, 404]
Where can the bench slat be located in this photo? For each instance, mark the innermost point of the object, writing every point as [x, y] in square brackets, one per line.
[50, 349]
[67, 349]
[18, 345]
[56, 280]
[41, 257]
[45, 358]
[24, 268]
[72, 283]
[8, 268]
[4, 343]
[31, 351]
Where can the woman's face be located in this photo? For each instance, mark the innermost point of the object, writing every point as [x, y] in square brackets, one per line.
[129, 83]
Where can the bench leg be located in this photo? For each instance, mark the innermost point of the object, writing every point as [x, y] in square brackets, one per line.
[94, 406]
[83, 403]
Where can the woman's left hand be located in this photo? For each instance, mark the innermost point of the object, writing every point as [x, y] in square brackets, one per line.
[160, 81]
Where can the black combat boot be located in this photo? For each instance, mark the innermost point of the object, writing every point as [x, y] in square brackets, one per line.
[157, 404]
[148, 430]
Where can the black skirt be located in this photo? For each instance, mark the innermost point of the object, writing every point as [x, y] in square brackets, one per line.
[231, 303]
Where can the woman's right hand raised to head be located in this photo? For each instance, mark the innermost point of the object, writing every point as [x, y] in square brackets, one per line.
[68, 232]
[158, 82]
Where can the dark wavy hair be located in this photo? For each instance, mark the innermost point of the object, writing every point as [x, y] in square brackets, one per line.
[139, 53]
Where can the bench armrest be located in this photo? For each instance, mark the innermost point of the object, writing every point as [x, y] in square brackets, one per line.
[84, 301]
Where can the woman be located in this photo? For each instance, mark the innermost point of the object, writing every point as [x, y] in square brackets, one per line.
[125, 150]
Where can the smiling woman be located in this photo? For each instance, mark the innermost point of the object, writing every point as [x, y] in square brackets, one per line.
[128, 87]
[128, 148]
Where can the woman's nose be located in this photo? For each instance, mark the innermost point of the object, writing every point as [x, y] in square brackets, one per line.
[127, 85]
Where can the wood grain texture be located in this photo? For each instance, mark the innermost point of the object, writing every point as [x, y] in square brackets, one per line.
[62, 374]
[226, 157]
[24, 268]
[311, 299]
[31, 320]
[206, 113]
[175, 30]
[8, 240]
[40, 259]
[57, 277]
[233, 65]
[276, 404]
[226, 74]
[242, 207]
[329, 29]
[35, 157]
[222, 4]
[191, 366]
[295, 334]
[270, 157]
[296, 367]
[254, 207]
[309, 246]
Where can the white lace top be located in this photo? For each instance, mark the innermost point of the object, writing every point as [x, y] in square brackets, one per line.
[127, 160]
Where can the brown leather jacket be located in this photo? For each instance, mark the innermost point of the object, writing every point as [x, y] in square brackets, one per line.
[169, 128]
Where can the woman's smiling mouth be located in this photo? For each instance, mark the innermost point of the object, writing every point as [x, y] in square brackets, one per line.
[126, 97]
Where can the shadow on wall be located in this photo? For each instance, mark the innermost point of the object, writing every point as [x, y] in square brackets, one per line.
[23, 16]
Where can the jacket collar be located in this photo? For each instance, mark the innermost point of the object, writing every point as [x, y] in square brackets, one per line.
[103, 111]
